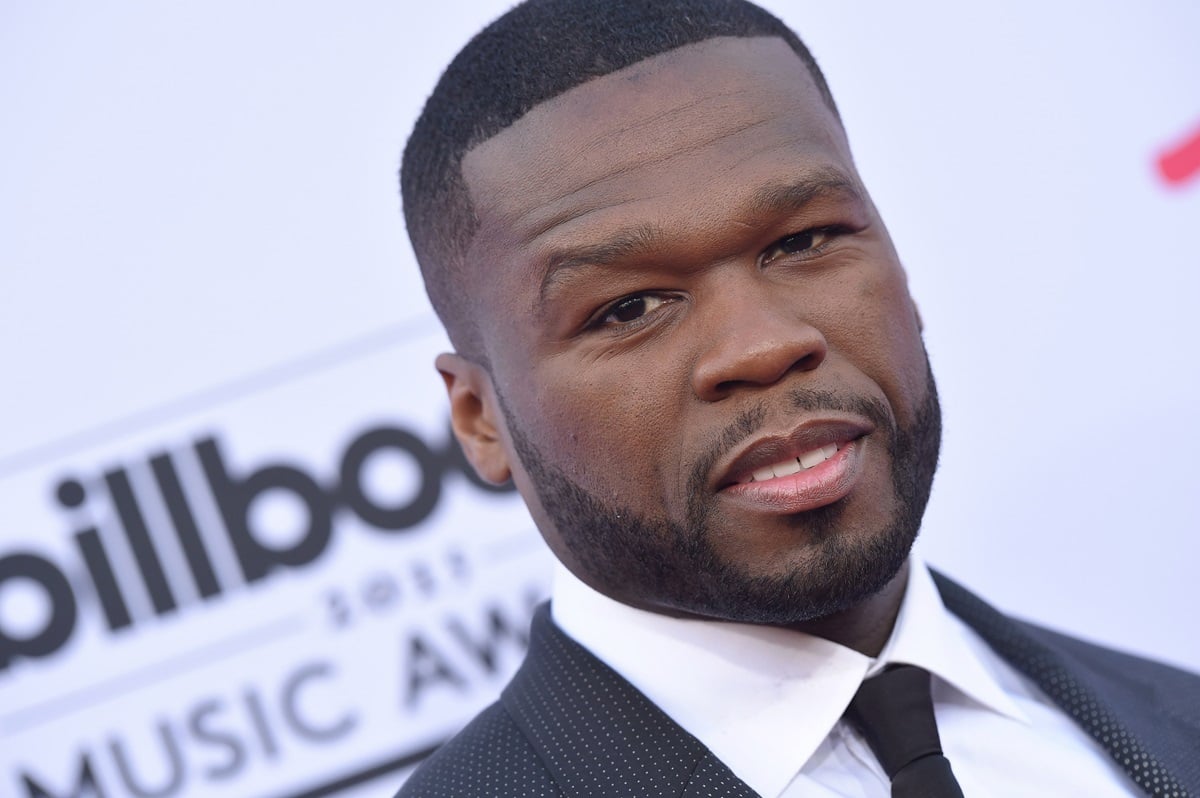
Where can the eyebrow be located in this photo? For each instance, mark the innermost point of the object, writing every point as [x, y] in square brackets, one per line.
[770, 200]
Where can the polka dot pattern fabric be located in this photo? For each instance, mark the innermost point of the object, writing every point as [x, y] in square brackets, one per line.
[1145, 714]
[600, 736]
[489, 757]
[568, 725]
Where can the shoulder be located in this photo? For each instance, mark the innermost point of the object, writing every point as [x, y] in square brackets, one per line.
[490, 756]
[567, 724]
[1044, 653]
[1146, 714]
[1143, 682]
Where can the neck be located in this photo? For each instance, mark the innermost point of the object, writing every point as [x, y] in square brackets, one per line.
[867, 626]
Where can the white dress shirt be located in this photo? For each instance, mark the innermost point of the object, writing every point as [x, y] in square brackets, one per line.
[768, 702]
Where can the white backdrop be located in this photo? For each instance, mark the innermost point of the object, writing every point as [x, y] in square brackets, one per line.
[201, 256]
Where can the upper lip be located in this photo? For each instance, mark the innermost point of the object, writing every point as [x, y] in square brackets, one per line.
[766, 450]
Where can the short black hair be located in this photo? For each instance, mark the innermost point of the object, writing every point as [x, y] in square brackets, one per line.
[535, 52]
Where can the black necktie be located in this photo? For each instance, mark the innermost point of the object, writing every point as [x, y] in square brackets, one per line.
[894, 712]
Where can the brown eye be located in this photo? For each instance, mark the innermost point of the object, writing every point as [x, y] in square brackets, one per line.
[632, 308]
[797, 244]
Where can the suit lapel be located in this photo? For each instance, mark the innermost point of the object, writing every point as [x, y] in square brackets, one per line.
[598, 735]
[1146, 715]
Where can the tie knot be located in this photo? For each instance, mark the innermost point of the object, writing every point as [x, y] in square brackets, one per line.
[894, 713]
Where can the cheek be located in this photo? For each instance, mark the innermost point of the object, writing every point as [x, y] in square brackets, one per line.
[885, 336]
[601, 423]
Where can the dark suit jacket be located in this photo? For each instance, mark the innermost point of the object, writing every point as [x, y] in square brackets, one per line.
[568, 725]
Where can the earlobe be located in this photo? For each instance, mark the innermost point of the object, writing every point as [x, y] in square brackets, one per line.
[475, 416]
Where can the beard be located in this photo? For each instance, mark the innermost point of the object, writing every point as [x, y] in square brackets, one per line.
[668, 564]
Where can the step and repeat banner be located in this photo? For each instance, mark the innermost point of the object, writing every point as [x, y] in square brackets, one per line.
[240, 553]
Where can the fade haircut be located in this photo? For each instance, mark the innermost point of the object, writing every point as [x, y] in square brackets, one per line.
[535, 52]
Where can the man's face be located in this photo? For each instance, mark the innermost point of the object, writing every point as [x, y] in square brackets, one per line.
[706, 372]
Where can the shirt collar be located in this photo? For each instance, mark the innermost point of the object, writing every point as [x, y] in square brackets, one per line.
[927, 635]
[771, 696]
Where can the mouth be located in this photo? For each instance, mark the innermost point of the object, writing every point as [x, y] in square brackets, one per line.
[794, 465]
[815, 464]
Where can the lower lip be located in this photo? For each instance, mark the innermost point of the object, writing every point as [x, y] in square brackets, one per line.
[809, 489]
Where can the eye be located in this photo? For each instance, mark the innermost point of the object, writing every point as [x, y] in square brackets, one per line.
[805, 242]
[631, 309]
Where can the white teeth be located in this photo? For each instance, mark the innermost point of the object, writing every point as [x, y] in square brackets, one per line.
[763, 473]
[804, 461]
[786, 467]
[810, 459]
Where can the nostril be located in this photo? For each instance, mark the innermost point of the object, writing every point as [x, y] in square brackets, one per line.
[808, 362]
[737, 363]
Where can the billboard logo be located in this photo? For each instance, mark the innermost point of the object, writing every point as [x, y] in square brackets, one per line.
[235, 494]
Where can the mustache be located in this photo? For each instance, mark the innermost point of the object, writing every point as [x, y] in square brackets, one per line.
[752, 419]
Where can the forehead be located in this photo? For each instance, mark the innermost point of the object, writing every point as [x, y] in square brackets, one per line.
[671, 140]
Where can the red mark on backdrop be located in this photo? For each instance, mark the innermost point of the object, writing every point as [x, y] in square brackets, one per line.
[1180, 162]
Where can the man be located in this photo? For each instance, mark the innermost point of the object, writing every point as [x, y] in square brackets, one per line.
[682, 330]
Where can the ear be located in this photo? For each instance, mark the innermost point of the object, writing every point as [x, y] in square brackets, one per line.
[475, 416]
[917, 313]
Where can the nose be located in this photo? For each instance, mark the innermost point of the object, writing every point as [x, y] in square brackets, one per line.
[754, 338]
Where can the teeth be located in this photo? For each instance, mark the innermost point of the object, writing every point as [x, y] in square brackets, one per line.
[786, 467]
[810, 459]
[804, 461]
